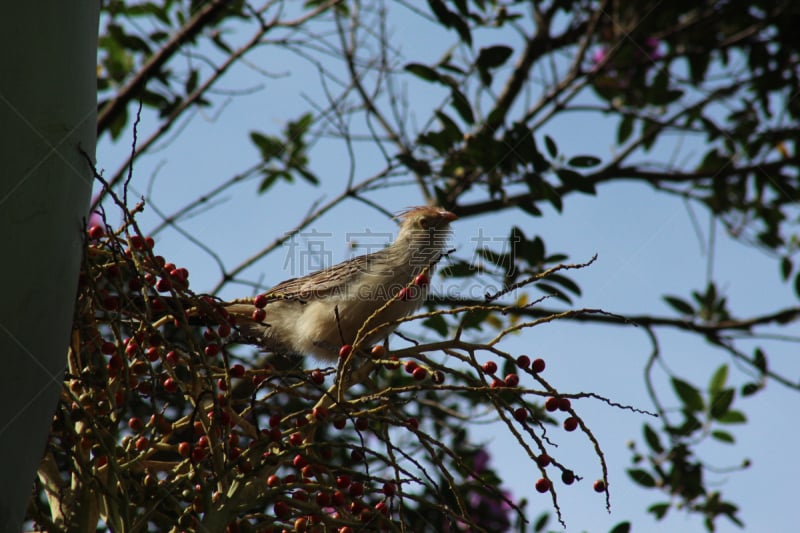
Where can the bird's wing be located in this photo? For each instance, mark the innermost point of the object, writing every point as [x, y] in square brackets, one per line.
[321, 283]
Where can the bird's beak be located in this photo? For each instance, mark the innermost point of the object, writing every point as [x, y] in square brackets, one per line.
[447, 216]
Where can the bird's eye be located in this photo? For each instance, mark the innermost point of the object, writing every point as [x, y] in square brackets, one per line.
[425, 222]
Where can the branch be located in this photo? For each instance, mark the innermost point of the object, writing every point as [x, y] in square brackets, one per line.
[150, 69]
[710, 329]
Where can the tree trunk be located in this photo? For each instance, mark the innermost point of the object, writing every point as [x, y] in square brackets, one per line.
[48, 108]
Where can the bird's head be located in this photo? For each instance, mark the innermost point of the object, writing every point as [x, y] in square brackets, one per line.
[426, 227]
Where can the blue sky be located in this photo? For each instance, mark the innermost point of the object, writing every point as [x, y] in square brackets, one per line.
[647, 247]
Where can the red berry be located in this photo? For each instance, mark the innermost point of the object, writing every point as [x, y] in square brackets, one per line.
[422, 280]
[185, 449]
[389, 489]
[599, 486]
[340, 423]
[356, 489]
[543, 460]
[131, 347]
[410, 366]
[571, 423]
[163, 285]
[152, 353]
[320, 413]
[512, 380]
[521, 414]
[490, 367]
[281, 509]
[317, 376]
[404, 294]
[542, 485]
[96, 231]
[296, 438]
[108, 348]
[523, 361]
[392, 365]
[356, 456]
[211, 350]
[259, 315]
[323, 499]
[413, 423]
[149, 242]
[170, 385]
[299, 461]
[345, 350]
[362, 423]
[260, 301]
[564, 404]
[224, 330]
[437, 377]
[338, 498]
[142, 443]
[551, 404]
[538, 365]
[198, 454]
[237, 370]
[378, 351]
[497, 383]
[343, 481]
[173, 358]
[419, 373]
[568, 477]
[137, 243]
[136, 424]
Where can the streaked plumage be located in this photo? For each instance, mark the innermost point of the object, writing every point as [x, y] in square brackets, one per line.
[301, 313]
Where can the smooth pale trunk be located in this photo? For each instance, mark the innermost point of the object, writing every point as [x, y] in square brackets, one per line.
[48, 105]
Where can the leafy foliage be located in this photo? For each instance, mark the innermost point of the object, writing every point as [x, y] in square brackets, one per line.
[721, 76]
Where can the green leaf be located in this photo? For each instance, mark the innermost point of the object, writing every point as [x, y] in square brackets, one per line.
[550, 144]
[437, 323]
[575, 180]
[723, 436]
[493, 56]
[474, 319]
[659, 510]
[554, 292]
[718, 380]
[622, 527]
[449, 19]
[308, 176]
[721, 402]
[786, 268]
[748, 389]
[423, 71]
[797, 284]
[641, 477]
[688, 394]
[625, 129]
[732, 417]
[541, 522]
[565, 282]
[652, 439]
[682, 306]
[191, 81]
[584, 161]
[760, 360]
[461, 269]
[462, 106]
[270, 147]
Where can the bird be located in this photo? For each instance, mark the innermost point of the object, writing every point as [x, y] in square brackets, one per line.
[354, 302]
